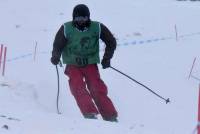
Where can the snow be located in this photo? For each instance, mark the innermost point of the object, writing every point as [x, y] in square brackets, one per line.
[147, 51]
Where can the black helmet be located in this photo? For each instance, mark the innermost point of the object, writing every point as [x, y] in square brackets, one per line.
[81, 10]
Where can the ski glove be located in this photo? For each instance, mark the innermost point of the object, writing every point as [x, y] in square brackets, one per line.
[105, 63]
[55, 60]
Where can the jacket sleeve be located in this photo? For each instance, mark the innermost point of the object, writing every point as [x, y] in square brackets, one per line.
[59, 42]
[109, 40]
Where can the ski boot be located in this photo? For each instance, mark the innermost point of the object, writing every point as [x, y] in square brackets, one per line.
[90, 116]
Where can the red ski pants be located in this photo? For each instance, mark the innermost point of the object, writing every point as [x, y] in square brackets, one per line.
[87, 88]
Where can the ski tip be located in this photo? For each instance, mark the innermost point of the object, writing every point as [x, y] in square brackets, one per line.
[167, 101]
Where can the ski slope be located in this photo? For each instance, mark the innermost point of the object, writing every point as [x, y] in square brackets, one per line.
[147, 50]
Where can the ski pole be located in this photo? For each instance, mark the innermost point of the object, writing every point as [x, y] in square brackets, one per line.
[166, 100]
[58, 93]
[61, 65]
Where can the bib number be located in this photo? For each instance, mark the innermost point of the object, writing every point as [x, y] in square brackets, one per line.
[81, 61]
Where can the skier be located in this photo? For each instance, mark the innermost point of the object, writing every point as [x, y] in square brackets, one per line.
[78, 43]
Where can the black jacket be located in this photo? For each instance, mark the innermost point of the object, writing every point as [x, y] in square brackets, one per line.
[105, 35]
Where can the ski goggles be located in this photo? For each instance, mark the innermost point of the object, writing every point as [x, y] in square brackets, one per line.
[81, 18]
